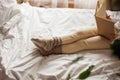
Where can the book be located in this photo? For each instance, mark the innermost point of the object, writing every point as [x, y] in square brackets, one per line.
[104, 24]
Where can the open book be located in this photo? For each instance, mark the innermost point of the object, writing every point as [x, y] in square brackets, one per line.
[104, 24]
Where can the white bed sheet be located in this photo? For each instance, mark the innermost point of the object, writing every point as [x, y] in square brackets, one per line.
[20, 60]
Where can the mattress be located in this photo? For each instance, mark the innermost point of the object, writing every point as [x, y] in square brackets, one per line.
[20, 59]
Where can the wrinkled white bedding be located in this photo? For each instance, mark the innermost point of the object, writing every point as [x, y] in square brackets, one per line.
[20, 60]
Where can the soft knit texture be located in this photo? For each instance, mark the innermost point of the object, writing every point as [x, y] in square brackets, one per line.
[46, 46]
[83, 40]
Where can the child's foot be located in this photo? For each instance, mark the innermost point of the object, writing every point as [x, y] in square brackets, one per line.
[46, 45]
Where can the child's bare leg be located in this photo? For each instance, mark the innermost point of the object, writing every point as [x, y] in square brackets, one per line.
[96, 42]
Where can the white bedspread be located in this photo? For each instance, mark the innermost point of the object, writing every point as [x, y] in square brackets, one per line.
[20, 60]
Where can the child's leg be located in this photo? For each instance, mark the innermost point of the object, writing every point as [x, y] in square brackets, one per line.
[96, 42]
[79, 35]
[48, 44]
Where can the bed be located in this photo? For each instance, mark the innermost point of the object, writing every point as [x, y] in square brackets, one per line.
[20, 58]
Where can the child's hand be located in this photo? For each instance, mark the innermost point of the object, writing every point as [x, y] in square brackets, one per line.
[113, 36]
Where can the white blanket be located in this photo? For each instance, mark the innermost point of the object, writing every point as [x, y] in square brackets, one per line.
[20, 60]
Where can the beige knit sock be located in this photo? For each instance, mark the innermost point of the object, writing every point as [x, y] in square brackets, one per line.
[46, 45]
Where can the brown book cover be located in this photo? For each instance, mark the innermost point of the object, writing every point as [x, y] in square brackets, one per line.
[105, 26]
